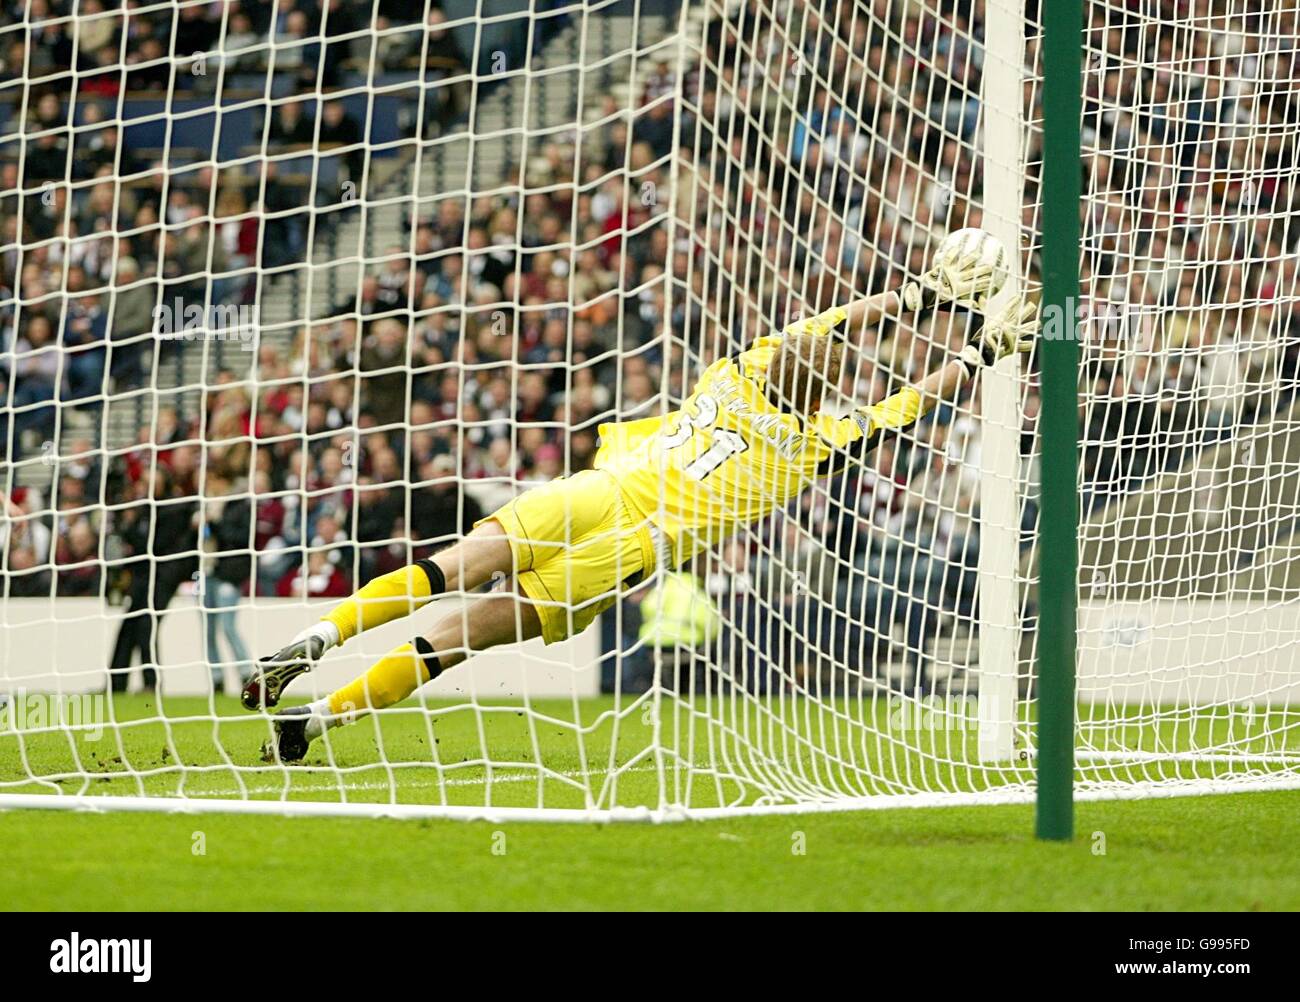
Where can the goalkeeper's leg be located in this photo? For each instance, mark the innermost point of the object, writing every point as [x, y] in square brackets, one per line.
[475, 560]
[488, 621]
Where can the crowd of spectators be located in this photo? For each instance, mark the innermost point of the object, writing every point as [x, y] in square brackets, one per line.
[113, 212]
[481, 350]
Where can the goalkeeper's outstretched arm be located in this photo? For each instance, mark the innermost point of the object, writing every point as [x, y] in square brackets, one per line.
[1009, 330]
[870, 310]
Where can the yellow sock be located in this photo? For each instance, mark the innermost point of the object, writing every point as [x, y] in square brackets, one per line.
[388, 597]
[390, 680]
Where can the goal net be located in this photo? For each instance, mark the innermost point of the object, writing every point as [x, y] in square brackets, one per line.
[292, 294]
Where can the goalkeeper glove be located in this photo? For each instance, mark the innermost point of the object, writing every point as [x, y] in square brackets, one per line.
[1012, 329]
[966, 281]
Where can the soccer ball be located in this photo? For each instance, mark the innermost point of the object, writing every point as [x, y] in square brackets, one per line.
[962, 243]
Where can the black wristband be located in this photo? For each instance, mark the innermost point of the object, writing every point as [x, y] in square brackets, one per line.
[437, 580]
[425, 650]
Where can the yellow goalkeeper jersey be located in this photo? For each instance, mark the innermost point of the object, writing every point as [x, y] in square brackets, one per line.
[730, 456]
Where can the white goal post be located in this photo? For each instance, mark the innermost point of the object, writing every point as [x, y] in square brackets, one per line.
[291, 295]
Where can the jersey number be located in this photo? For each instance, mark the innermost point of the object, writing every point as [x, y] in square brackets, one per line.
[723, 446]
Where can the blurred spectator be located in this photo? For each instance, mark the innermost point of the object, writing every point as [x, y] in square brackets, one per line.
[132, 319]
[319, 578]
[339, 129]
[80, 571]
[159, 538]
[227, 569]
[440, 511]
[289, 126]
[678, 624]
[35, 375]
[443, 72]
[25, 545]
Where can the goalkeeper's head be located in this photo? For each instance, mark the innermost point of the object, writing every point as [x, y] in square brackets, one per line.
[803, 371]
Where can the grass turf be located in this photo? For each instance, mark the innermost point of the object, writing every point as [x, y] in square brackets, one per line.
[569, 753]
[1217, 853]
[1201, 853]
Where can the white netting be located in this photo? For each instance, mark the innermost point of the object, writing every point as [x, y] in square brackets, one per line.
[839, 142]
[1189, 642]
[462, 235]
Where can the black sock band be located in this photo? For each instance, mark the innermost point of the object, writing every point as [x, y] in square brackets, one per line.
[437, 582]
[430, 659]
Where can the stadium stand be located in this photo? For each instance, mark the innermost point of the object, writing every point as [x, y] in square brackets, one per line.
[371, 380]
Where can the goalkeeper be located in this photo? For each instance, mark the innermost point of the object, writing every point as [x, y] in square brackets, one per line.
[747, 440]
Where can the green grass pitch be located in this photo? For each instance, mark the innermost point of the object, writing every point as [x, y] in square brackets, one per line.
[1204, 853]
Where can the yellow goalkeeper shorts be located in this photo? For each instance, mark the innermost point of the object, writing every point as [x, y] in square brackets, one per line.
[577, 546]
